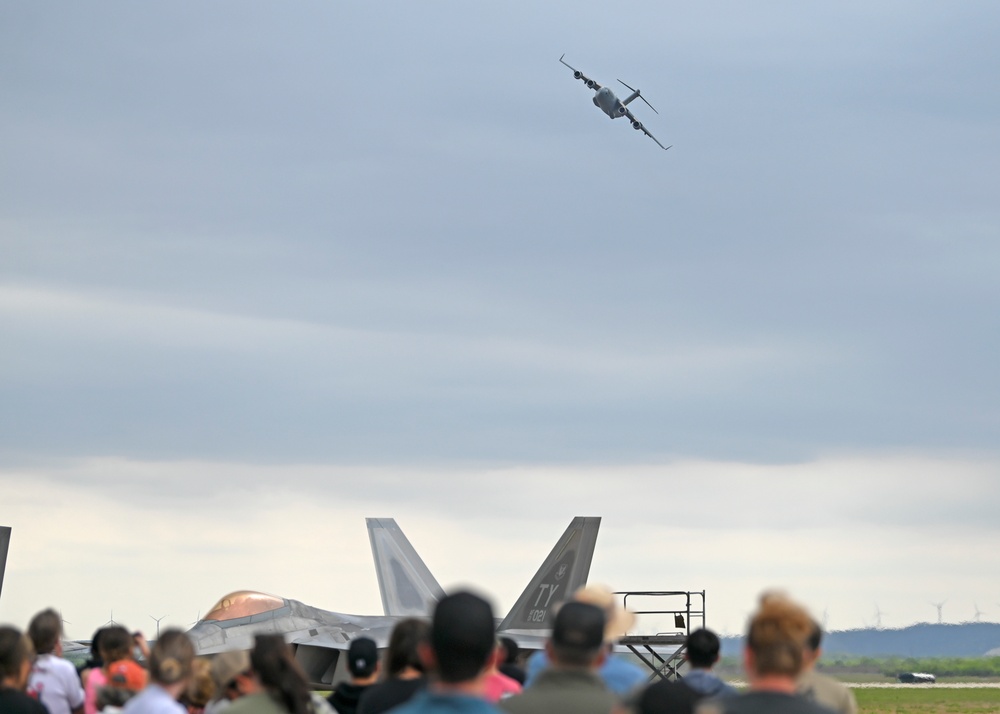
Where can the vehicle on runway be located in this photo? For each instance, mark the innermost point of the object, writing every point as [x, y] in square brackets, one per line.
[407, 588]
[605, 100]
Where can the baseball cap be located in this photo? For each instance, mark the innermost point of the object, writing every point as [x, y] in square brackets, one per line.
[227, 666]
[126, 674]
[579, 625]
[362, 656]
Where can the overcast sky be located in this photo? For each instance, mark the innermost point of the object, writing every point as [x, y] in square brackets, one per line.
[266, 270]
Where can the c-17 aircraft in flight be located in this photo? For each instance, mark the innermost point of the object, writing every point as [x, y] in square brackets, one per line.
[607, 102]
[408, 589]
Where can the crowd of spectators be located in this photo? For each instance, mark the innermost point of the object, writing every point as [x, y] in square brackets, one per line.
[452, 663]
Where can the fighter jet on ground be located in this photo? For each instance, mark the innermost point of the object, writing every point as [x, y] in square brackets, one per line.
[607, 102]
[408, 589]
[4, 545]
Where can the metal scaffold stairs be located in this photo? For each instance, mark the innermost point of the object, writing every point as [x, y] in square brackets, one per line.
[663, 652]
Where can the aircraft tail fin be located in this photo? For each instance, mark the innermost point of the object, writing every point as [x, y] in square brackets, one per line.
[405, 583]
[564, 571]
[4, 545]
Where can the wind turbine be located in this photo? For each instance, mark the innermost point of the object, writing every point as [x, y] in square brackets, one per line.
[157, 619]
[878, 617]
[939, 606]
[978, 617]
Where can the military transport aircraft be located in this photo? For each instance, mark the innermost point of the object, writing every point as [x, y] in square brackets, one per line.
[408, 589]
[607, 102]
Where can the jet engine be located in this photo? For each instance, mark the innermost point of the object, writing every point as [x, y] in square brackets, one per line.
[636, 125]
[621, 111]
[591, 83]
[577, 74]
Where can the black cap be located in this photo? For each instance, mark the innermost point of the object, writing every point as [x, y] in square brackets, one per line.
[362, 656]
[579, 626]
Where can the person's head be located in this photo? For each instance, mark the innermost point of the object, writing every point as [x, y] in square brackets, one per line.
[115, 644]
[171, 657]
[702, 648]
[815, 639]
[232, 675]
[362, 658]
[618, 620]
[200, 688]
[126, 674]
[578, 635]
[95, 649]
[776, 637]
[279, 673]
[45, 630]
[462, 637]
[669, 696]
[813, 645]
[404, 646]
[16, 653]
[510, 650]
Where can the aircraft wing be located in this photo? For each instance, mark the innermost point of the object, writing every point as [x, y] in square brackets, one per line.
[631, 117]
[577, 74]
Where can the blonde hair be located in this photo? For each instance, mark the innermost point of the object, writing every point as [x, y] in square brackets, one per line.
[777, 635]
[201, 688]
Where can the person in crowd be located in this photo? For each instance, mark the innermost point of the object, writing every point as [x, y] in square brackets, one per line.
[53, 680]
[570, 684]
[200, 689]
[462, 640]
[701, 650]
[123, 678]
[233, 679]
[120, 671]
[363, 665]
[621, 676]
[499, 685]
[93, 667]
[819, 687]
[404, 669]
[170, 665]
[510, 665]
[92, 674]
[283, 687]
[16, 653]
[667, 696]
[774, 657]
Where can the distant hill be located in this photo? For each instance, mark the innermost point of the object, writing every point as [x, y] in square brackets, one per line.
[972, 639]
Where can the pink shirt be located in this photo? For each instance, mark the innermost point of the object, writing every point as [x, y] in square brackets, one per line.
[95, 680]
[500, 686]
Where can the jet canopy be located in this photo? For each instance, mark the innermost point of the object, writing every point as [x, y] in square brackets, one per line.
[243, 603]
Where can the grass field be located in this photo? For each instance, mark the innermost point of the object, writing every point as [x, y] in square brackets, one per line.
[928, 700]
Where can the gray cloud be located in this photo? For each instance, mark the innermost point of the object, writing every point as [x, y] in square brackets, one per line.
[329, 233]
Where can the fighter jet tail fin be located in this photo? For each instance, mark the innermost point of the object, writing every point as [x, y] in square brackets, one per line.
[4, 545]
[564, 571]
[405, 583]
